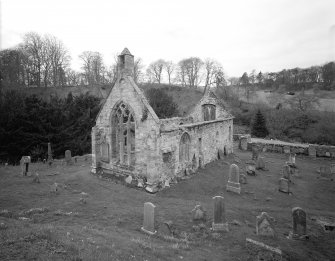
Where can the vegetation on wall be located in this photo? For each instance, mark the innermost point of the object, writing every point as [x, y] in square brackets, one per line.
[27, 124]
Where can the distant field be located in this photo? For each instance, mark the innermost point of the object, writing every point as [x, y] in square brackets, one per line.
[108, 226]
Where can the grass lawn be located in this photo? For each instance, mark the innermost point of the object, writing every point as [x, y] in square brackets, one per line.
[107, 226]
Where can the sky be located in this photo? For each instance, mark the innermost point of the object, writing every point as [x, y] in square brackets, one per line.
[265, 35]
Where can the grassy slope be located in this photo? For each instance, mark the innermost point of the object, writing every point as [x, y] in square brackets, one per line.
[107, 227]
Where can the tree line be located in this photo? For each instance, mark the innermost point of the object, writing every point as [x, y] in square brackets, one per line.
[44, 61]
[297, 78]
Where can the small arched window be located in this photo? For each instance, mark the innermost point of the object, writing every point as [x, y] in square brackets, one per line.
[184, 148]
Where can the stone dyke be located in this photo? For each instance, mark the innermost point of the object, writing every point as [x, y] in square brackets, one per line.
[313, 150]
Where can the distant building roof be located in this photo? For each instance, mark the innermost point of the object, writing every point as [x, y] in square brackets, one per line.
[126, 51]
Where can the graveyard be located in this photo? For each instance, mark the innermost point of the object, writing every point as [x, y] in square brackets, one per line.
[66, 213]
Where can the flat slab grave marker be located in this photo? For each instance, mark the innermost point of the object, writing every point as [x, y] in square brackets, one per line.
[149, 219]
[219, 218]
[264, 225]
[233, 184]
[68, 157]
[24, 162]
[284, 185]
[299, 222]
[260, 251]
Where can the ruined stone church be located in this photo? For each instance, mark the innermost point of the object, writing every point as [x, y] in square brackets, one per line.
[129, 138]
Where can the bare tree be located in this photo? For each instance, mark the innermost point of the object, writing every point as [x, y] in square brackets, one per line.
[190, 70]
[138, 67]
[214, 74]
[155, 69]
[93, 67]
[169, 68]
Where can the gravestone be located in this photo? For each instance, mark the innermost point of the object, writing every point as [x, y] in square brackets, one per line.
[219, 218]
[24, 162]
[149, 219]
[49, 153]
[234, 179]
[332, 168]
[287, 150]
[299, 222]
[129, 179]
[291, 158]
[260, 163]
[140, 183]
[251, 169]
[312, 150]
[199, 213]
[255, 152]
[286, 172]
[243, 143]
[68, 157]
[243, 179]
[264, 225]
[284, 185]
[36, 178]
[326, 172]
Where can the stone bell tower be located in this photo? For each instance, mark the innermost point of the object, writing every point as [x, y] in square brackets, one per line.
[125, 65]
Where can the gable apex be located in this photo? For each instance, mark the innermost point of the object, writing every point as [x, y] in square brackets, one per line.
[126, 52]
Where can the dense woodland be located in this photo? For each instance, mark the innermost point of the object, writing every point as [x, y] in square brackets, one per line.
[28, 123]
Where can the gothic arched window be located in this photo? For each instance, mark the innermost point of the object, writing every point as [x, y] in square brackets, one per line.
[123, 135]
[184, 148]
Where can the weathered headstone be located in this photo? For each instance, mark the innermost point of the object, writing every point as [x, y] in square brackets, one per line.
[251, 169]
[255, 152]
[219, 218]
[149, 219]
[243, 179]
[234, 179]
[312, 150]
[199, 213]
[299, 222]
[264, 225]
[167, 183]
[332, 168]
[49, 153]
[291, 158]
[129, 179]
[243, 143]
[286, 172]
[287, 150]
[326, 172]
[260, 163]
[36, 178]
[140, 183]
[327, 154]
[24, 162]
[68, 157]
[284, 185]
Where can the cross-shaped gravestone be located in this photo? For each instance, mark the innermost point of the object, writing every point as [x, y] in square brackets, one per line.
[264, 225]
[149, 219]
[234, 179]
[219, 218]
[299, 222]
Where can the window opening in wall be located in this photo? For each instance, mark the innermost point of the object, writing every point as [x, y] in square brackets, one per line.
[209, 112]
[184, 148]
[123, 135]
